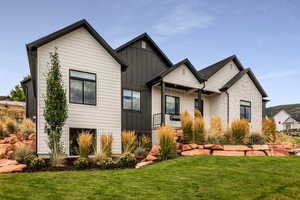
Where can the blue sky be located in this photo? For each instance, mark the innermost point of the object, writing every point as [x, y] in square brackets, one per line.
[265, 35]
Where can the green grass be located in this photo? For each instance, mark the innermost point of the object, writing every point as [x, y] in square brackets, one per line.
[204, 177]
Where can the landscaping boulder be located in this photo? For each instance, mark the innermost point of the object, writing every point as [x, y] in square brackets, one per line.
[5, 162]
[255, 153]
[200, 146]
[178, 147]
[142, 164]
[155, 151]
[7, 166]
[151, 158]
[208, 146]
[236, 148]
[186, 147]
[228, 153]
[194, 146]
[196, 152]
[258, 147]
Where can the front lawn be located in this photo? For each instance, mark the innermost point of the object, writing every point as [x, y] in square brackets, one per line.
[206, 177]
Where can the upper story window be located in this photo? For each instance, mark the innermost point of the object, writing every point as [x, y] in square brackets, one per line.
[172, 105]
[131, 100]
[82, 87]
[245, 110]
[144, 44]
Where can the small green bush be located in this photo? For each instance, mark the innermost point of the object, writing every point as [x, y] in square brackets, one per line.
[127, 160]
[37, 163]
[82, 163]
[108, 163]
[24, 155]
[11, 126]
[216, 139]
[140, 152]
[256, 138]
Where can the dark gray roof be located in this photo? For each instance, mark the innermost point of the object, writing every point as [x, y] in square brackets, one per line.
[146, 37]
[207, 72]
[189, 65]
[32, 47]
[291, 109]
[239, 75]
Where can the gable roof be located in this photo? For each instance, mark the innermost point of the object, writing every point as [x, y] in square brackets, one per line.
[292, 109]
[32, 47]
[207, 72]
[239, 75]
[146, 37]
[185, 61]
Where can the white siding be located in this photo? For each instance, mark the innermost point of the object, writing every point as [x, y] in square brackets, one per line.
[182, 76]
[245, 89]
[218, 80]
[78, 50]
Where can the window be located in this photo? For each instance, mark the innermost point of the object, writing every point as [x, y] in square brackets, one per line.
[82, 87]
[245, 110]
[197, 106]
[131, 100]
[144, 44]
[74, 133]
[172, 105]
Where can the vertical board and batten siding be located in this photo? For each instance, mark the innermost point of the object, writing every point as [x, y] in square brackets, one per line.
[143, 64]
[78, 50]
[245, 89]
[218, 80]
[184, 77]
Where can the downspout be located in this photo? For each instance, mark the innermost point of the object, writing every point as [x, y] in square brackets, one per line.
[227, 106]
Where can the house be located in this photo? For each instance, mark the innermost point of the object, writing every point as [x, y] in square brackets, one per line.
[12, 109]
[286, 116]
[135, 87]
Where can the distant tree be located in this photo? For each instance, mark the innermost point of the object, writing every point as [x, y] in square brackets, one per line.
[17, 94]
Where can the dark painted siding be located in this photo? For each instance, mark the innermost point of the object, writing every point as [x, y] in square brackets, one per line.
[30, 99]
[143, 64]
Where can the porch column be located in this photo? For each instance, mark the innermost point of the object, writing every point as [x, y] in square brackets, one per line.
[200, 106]
[162, 93]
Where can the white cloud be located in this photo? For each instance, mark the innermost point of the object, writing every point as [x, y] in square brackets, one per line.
[279, 75]
[182, 19]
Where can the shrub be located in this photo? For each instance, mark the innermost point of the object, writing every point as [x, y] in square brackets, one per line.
[283, 138]
[108, 163]
[216, 125]
[239, 131]
[269, 129]
[167, 142]
[216, 139]
[140, 152]
[11, 126]
[128, 139]
[198, 131]
[27, 126]
[197, 113]
[187, 126]
[82, 163]
[127, 160]
[256, 138]
[37, 163]
[106, 143]
[3, 132]
[84, 142]
[146, 143]
[57, 159]
[24, 155]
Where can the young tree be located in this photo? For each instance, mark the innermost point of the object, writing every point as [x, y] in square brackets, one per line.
[55, 112]
[17, 94]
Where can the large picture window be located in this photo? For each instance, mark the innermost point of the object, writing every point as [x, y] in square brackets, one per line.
[131, 100]
[245, 110]
[82, 87]
[74, 133]
[172, 105]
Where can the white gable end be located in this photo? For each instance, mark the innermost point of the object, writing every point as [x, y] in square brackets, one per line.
[182, 76]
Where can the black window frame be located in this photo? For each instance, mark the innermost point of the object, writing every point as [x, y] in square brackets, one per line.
[81, 130]
[177, 105]
[245, 109]
[83, 80]
[131, 109]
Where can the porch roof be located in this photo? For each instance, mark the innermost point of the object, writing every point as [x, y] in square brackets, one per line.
[186, 62]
